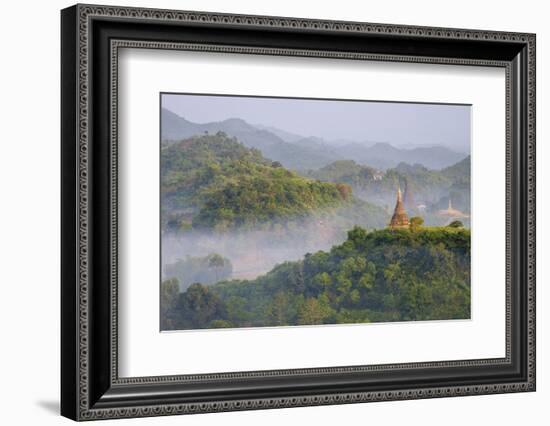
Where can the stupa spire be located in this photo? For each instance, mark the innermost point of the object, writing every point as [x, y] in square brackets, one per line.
[399, 218]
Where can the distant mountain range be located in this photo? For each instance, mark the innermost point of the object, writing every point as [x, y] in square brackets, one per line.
[291, 155]
[297, 152]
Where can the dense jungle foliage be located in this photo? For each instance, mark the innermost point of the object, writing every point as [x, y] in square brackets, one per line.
[422, 273]
[213, 182]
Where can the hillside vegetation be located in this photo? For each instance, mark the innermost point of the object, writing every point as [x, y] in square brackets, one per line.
[429, 187]
[213, 182]
[376, 276]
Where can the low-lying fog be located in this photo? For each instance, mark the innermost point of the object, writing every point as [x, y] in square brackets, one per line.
[256, 252]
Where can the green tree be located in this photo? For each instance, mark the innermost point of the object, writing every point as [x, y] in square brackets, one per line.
[169, 292]
[279, 311]
[206, 270]
[200, 306]
[217, 262]
[456, 224]
[416, 222]
[313, 311]
[322, 280]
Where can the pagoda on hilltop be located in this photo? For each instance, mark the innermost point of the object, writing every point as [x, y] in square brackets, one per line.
[399, 220]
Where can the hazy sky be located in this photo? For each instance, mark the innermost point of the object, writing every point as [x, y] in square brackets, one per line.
[400, 124]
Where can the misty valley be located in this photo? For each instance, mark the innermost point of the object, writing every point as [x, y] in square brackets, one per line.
[264, 227]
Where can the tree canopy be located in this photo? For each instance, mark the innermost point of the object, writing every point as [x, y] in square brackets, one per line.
[214, 182]
[384, 275]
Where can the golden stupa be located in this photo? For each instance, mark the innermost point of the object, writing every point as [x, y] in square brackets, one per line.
[399, 218]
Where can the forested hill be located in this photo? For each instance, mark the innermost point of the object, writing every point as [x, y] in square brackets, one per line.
[214, 182]
[377, 276]
[426, 186]
[459, 171]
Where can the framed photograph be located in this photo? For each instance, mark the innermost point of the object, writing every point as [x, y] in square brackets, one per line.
[263, 212]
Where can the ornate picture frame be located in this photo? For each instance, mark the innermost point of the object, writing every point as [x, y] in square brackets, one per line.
[91, 37]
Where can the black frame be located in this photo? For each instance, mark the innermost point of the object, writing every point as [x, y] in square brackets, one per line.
[91, 37]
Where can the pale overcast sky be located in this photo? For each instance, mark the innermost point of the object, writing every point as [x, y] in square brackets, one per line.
[401, 124]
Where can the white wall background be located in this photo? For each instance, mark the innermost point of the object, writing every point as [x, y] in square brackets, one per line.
[29, 212]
